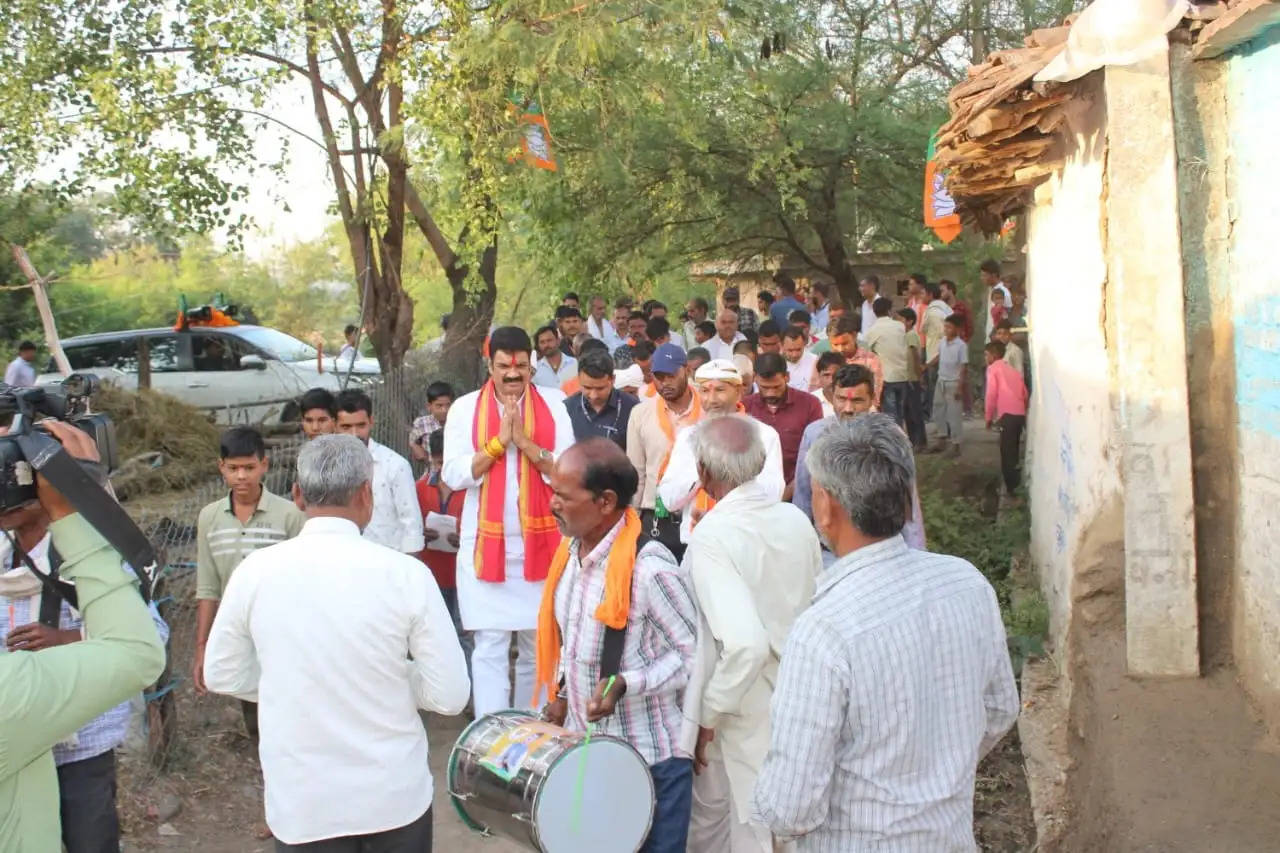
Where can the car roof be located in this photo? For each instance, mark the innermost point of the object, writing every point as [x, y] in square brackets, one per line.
[98, 337]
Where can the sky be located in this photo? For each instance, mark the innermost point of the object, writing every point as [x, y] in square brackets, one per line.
[294, 207]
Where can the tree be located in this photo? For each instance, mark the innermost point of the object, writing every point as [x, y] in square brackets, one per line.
[761, 129]
[164, 98]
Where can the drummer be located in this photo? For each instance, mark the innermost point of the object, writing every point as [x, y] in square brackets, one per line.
[600, 577]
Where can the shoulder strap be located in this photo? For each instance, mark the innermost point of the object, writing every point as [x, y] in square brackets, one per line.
[51, 597]
[611, 650]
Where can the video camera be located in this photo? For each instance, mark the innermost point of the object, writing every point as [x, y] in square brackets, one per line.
[22, 408]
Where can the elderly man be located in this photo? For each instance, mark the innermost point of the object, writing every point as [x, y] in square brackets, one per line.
[626, 659]
[852, 396]
[753, 561]
[599, 327]
[499, 445]
[894, 682]
[316, 630]
[720, 391]
[748, 320]
[727, 334]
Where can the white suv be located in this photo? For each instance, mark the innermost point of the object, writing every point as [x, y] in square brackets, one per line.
[239, 374]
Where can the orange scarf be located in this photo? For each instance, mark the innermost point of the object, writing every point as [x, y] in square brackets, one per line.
[537, 525]
[664, 423]
[651, 390]
[613, 610]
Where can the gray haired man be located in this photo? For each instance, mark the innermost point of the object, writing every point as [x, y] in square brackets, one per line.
[895, 681]
[753, 560]
[341, 641]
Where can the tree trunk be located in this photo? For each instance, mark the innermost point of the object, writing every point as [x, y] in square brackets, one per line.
[831, 236]
[470, 319]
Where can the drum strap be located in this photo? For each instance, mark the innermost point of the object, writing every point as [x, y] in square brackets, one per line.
[611, 651]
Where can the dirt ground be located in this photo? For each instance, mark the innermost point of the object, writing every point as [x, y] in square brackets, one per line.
[214, 783]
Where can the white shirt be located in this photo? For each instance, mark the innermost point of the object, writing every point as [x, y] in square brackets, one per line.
[513, 604]
[868, 316]
[20, 373]
[679, 484]
[603, 330]
[934, 316]
[800, 372]
[719, 349]
[821, 317]
[341, 642]
[754, 562]
[348, 353]
[396, 521]
[546, 375]
[953, 355]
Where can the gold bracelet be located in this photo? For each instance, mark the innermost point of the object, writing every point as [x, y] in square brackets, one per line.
[494, 448]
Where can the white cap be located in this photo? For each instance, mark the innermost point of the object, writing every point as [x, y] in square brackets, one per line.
[721, 369]
[628, 377]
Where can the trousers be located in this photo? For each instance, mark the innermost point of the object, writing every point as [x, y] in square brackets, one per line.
[714, 826]
[87, 800]
[673, 801]
[410, 838]
[893, 401]
[948, 412]
[491, 671]
[1011, 427]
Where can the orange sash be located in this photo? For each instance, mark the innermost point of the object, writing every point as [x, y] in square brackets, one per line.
[537, 525]
[613, 610]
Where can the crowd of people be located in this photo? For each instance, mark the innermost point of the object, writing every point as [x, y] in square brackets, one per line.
[733, 490]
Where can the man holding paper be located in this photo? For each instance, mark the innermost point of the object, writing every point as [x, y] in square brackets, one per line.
[500, 444]
[441, 509]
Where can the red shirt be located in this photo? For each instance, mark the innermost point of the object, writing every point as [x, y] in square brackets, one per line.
[961, 309]
[443, 564]
[798, 410]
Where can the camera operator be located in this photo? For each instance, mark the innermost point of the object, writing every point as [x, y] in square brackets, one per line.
[48, 691]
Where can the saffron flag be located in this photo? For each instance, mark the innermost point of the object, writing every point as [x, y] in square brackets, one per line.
[939, 208]
[535, 135]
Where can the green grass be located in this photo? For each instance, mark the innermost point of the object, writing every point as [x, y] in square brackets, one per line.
[958, 504]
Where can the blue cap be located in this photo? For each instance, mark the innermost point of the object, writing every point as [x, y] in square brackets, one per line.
[667, 358]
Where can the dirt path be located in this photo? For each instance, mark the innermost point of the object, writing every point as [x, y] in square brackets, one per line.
[214, 781]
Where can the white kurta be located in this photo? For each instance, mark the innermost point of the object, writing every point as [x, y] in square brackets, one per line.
[396, 522]
[800, 373]
[754, 562]
[680, 482]
[513, 604]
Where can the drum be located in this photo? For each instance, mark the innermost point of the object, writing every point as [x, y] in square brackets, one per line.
[516, 775]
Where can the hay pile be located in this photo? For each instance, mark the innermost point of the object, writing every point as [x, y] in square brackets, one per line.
[163, 443]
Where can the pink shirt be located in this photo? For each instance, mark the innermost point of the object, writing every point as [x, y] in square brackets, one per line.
[1006, 392]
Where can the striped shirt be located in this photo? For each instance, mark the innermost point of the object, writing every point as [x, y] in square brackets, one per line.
[893, 684]
[222, 541]
[657, 652]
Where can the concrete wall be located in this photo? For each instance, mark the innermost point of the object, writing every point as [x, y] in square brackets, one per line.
[1075, 486]
[1253, 111]
[1144, 264]
[1200, 121]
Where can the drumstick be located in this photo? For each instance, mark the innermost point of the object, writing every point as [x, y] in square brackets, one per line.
[582, 765]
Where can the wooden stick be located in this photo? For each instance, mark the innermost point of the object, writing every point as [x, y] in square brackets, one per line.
[46, 311]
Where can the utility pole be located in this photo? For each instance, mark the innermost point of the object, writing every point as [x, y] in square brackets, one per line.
[46, 311]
